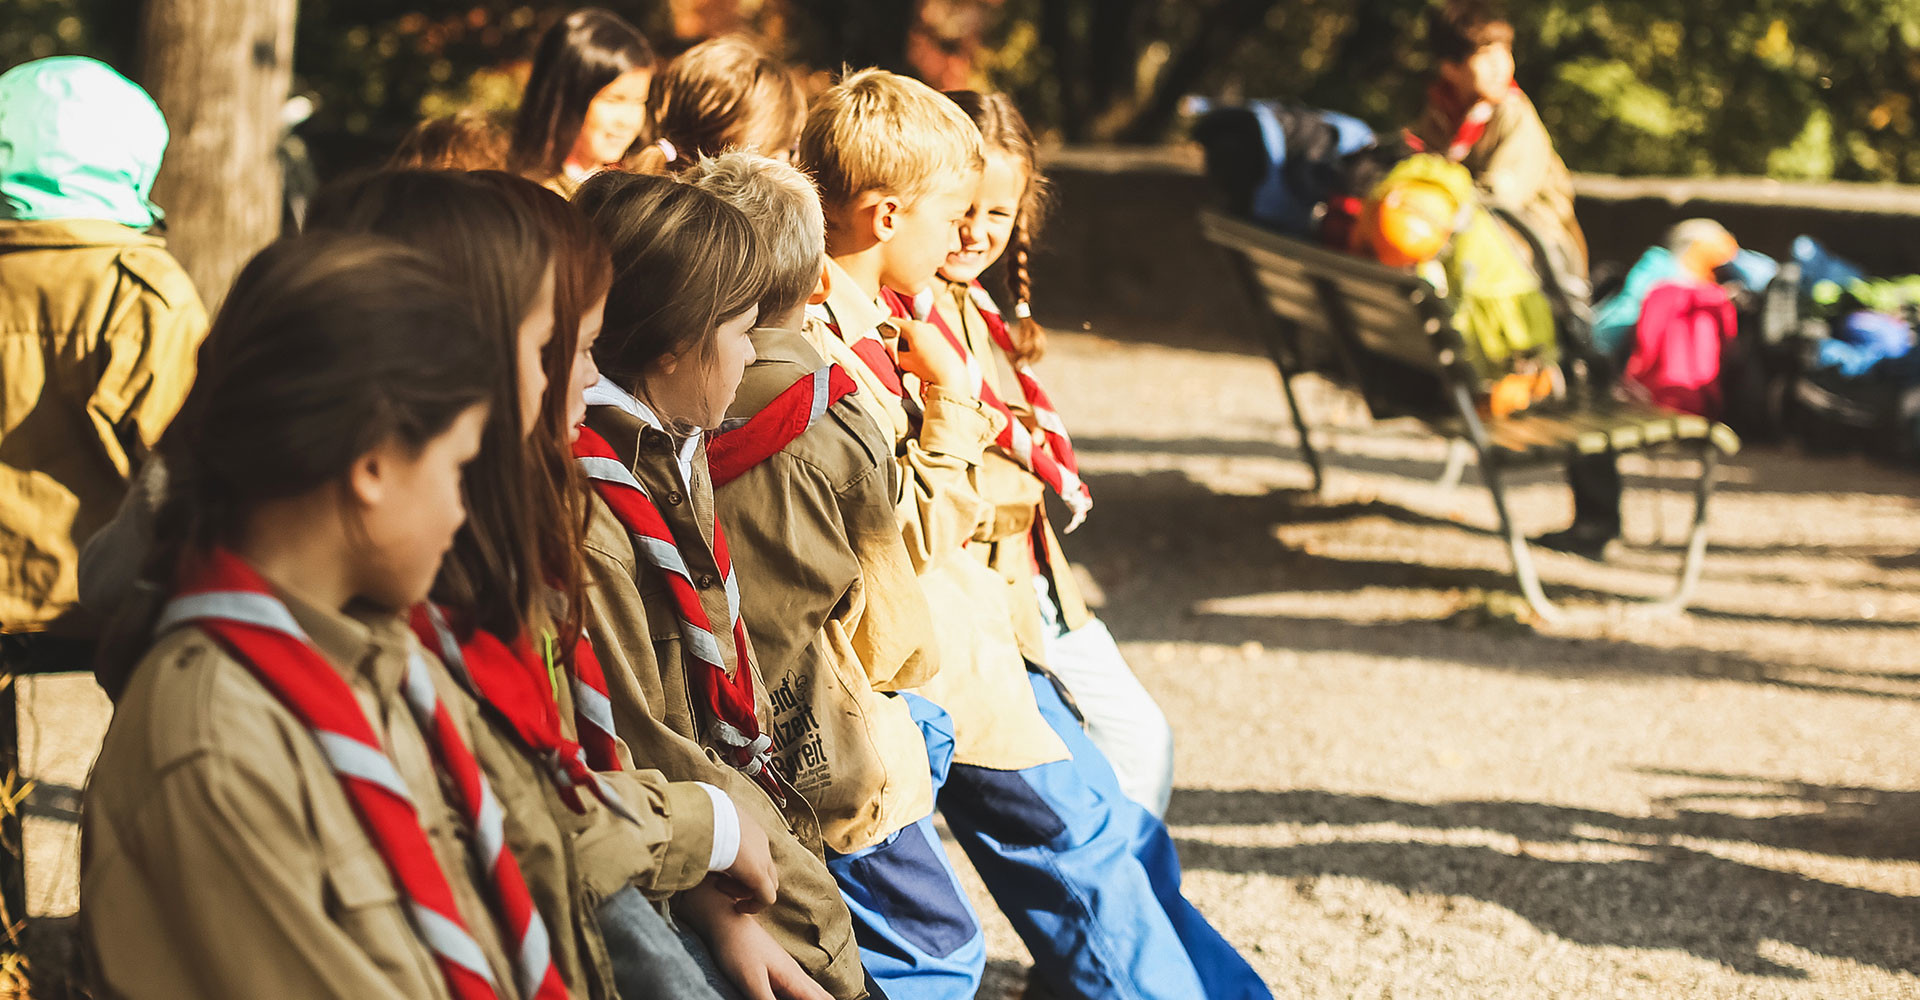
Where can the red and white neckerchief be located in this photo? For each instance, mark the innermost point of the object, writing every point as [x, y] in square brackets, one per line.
[1472, 120]
[729, 698]
[734, 450]
[868, 346]
[228, 600]
[1051, 456]
[514, 681]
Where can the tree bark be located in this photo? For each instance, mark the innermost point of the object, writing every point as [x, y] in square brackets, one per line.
[220, 71]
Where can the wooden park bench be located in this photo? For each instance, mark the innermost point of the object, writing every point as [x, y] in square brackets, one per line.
[1386, 334]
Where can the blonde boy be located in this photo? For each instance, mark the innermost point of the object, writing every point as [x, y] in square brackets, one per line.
[898, 166]
[805, 486]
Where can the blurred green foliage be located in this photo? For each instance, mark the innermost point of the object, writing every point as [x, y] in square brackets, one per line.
[1804, 89]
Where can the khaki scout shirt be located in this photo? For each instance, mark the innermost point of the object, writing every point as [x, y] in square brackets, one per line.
[832, 607]
[220, 856]
[98, 332]
[982, 680]
[1515, 162]
[635, 629]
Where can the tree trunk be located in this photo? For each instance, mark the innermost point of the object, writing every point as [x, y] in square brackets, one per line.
[220, 71]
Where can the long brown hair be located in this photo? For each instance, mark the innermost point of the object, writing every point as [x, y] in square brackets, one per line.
[582, 273]
[327, 346]
[723, 93]
[576, 59]
[1003, 128]
[683, 261]
[496, 251]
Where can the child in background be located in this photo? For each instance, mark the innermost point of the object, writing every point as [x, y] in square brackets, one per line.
[585, 100]
[271, 814]
[898, 166]
[98, 325]
[689, 276]
[724, 93]
[805, 487]
[469, 140]
[1034, 455]
[1477, 117]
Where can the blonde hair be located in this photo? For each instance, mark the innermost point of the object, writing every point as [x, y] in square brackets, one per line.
[721, 94]
[784, 209]
[879, 131]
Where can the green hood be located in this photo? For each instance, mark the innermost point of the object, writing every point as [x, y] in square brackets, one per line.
[78, 141]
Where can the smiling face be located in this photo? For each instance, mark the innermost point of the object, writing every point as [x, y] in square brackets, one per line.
[409, 506]
[613, 121]
[918, 237]
[990, 219]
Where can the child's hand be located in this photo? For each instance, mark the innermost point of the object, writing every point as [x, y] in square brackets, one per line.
[927, 353]
[745, 953]
[752, 883]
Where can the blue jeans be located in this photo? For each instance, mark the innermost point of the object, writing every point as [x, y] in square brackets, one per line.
[1122, 719]
[1089, 877]
[919, 937]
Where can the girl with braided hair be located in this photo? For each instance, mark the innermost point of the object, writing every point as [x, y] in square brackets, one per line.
[1035, 456]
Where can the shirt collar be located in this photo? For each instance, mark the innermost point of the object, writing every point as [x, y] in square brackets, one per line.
[854, 313]
[362, 642]
[605, 393]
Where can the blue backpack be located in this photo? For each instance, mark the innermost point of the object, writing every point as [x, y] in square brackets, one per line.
[1277, 163]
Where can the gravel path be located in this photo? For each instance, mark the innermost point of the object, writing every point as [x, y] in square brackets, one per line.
[1390, 789]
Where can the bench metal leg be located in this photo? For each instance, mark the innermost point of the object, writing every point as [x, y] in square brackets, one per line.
[1458, 452]
[1529, 578]
[1300, 427]
[1523, 571]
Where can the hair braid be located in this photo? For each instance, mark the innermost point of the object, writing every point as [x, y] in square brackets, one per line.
[1028, 336]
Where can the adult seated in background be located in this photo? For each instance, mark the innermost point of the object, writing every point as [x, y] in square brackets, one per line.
[1477, 117]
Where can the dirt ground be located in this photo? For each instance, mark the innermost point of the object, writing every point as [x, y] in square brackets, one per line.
[1387, 789]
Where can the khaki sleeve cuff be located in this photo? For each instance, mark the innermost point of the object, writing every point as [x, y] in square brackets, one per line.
[683, 864]
[957, 425]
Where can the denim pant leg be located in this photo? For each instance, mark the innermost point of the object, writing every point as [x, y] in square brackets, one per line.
[919, 937]
[1122, 719]
[1224, 973]
[1059, 861]
[649, 959]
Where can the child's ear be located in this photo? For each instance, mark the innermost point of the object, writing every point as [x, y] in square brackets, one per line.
[823, 287]
[366, 477]
[886, 217]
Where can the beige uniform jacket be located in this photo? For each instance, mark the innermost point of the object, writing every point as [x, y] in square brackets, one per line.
[1015, 540]
[982, 680]
[832, 607]
[98, 331]
[636, 634]
[221, 858]
[1515, 162]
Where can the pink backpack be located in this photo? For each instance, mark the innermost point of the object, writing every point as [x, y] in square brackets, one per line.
[1676, 352]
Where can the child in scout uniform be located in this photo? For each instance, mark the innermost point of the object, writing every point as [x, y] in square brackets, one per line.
[889, 155]
[1033, 457]
[664, 606]
[98, 329]
[599, 832]
[805, 486]
[287, 802]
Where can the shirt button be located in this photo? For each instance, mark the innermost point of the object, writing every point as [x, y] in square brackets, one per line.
[674, 497]
[706, 581]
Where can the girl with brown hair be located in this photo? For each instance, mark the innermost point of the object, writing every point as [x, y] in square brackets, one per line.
[689, 275]
[598, 829]
[724, 93]
[585, 100]
[268, 815]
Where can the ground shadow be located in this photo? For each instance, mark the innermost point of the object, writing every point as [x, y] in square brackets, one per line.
[1162, 526]
[1663, 895]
